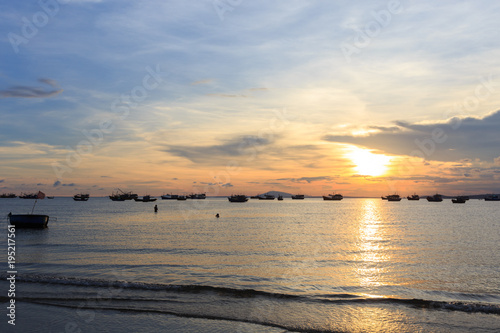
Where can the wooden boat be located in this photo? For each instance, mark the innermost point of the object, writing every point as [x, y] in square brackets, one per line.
[122, 196]
[492, 197]
[81, 197]
[8, 195]
[459, 200]
[197, 196]
[393, 197]
[280, 198]
[238, 198]
[413, 197]
[335, 197]
[146, 198]
[169, 197]
[28, 220]
[28, 196]
[266, 197]
[298, 197]
[435, 198]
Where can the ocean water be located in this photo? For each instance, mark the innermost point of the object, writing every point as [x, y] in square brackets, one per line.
[356, 265]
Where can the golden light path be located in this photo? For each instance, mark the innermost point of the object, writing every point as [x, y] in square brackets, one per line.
[368, 163]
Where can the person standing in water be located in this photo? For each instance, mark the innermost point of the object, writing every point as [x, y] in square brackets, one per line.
[156, 208]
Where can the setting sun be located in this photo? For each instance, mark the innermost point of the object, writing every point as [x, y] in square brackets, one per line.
[367, 163]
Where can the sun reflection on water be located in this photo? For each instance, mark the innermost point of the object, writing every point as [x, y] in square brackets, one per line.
[371, 249]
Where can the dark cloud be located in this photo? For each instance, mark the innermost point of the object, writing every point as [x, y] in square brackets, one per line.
[385, 129]
[308, 179]
[453, 140]
[32, 92]
[239, 146]
[58, 183]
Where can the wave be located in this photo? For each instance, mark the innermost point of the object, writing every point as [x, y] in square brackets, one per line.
[234, 293]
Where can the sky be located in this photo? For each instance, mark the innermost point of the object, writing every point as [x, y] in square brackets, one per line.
[362, 98]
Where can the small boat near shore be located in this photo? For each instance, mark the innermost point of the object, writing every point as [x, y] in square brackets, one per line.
[333, 197]
[28, 220]
[238, 198]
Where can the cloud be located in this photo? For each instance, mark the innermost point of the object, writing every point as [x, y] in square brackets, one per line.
[452, 140]
[308, 179]
[58, 183]
[202, 82]
[218, 154]
[50, 82]
[32, 92]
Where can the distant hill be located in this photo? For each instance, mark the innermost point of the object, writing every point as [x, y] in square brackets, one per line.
[283, 194]
[471, 196]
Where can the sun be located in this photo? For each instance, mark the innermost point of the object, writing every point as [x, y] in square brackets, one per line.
[368, 163]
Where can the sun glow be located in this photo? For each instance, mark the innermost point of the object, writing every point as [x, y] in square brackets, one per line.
[368, 163]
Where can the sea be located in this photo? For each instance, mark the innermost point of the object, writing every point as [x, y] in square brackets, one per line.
[356, 265]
